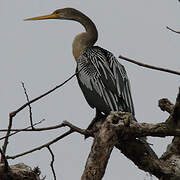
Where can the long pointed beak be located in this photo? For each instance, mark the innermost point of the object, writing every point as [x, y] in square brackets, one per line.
[50, 16]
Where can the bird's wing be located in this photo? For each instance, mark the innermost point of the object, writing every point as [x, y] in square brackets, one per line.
[98, 83]
[122, 81]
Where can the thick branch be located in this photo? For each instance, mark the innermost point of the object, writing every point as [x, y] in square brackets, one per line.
[172, 153]
[166, 105]
[103, 144]
[176, 112]
[120, 128]
[136, 129]
[5, 162]
[168, 166]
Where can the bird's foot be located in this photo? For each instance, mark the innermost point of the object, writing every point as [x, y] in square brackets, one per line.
[126, 117]
[94, 125]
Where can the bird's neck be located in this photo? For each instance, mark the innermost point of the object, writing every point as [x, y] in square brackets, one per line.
[85, 39]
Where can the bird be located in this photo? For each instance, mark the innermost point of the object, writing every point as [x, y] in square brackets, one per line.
[101, 77]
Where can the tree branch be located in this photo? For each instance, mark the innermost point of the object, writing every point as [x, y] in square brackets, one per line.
[42, 146]
[149, 66]
[63, 124]
[178, 32]
[5, 162]
[116, 128]
[103, 144]
[166, 105]
[30, 108]
[20, 130]
[52, 162]
[12, 114]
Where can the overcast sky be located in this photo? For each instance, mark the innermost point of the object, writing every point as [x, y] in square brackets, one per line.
[40, 55]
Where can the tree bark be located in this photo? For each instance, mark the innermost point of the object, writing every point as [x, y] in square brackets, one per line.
[103, 144]
[121, 131]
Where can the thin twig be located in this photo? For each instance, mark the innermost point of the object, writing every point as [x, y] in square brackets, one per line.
[4, 160]
[36, 129]
[64, 124]
[20, 130]
[12, 114]
[43, 95]
[149, 66]
[178, 32]
[42, 146]
[52, 162]
[30, 108]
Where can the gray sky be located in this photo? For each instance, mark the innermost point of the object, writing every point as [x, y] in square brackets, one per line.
[39, 53]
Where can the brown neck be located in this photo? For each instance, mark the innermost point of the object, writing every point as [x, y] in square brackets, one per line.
[85, 39]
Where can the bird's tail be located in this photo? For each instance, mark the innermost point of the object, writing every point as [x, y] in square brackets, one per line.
[148, 147]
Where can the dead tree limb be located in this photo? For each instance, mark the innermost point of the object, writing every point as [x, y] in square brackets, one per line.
[104, 142]
[178, 32]
[149, 66]
[13, 113]
[112, 133]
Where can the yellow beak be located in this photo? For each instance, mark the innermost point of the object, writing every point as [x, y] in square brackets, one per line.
[51, 16]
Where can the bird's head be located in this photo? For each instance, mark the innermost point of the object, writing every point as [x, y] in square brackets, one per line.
[65, 13]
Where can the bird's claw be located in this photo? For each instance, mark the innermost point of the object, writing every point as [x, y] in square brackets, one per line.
[126, 117]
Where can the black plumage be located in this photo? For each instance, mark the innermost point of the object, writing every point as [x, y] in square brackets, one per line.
[103, 81]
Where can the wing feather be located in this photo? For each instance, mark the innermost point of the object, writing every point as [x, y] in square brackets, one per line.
[104, 81]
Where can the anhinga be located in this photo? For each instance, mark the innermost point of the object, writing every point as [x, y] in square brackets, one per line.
[102, 79]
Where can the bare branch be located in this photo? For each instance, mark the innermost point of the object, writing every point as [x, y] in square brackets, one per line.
[20, 130]
[12, 114]
[166, 105]
[30, 108]
[52, 162]
[176, 112]
[102, 147]
[167, 167]
[149, 66]
[37, 129]
[42, 146]
[111, 134]
[178, 32]
[136, 129]
[77, 129]
[4, 147]
[64, 124]
[5, 162]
